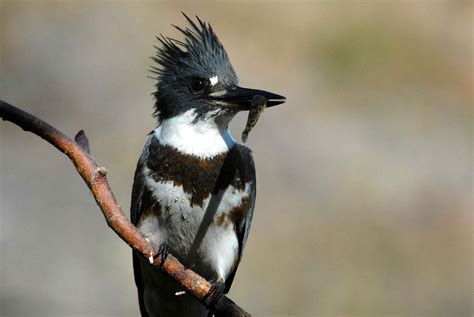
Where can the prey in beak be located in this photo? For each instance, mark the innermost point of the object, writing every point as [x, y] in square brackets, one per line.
[253, 100]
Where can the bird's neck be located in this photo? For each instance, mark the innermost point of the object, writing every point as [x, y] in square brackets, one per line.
[202, 137]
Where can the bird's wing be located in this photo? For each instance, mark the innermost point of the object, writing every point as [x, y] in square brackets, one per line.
[136, 210]
[247, 173]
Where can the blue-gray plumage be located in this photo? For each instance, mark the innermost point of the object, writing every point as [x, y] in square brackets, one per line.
[194, 187]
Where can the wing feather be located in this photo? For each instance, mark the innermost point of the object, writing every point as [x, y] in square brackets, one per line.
[136, 209]
[247, 173]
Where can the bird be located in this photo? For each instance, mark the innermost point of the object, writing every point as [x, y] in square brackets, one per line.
[194, 187]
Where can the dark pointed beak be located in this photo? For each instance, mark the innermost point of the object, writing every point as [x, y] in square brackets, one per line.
[242, 97]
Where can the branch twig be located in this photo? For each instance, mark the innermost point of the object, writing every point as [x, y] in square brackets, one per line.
[95, 178]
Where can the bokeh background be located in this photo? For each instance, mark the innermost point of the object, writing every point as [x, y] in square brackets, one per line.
[364, 176]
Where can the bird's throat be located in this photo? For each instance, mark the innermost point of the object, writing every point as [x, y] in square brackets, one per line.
[188, 134]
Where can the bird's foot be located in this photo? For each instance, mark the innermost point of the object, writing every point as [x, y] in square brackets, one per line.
[214, 294]
[162, 254]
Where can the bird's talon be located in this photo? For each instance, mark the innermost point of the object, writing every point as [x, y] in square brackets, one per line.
[162, 254]
[214, 294]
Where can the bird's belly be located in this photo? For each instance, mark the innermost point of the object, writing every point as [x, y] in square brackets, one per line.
[201, 236]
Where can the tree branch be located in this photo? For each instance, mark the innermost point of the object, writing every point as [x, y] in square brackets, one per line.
[95, 177]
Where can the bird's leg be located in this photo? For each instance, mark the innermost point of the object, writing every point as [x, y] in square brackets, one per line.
[215, 293]
[163, 252]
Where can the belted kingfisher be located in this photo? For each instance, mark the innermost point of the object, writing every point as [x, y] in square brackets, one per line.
[194, 188]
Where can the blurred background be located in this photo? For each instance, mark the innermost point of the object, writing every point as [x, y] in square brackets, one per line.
[364, 176]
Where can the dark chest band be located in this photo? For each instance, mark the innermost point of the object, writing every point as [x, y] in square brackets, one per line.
[199, 177]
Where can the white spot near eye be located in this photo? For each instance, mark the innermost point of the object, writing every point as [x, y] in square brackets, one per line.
[214, 80]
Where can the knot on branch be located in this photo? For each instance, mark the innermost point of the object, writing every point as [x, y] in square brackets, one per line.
[83, 142]
[100, 172]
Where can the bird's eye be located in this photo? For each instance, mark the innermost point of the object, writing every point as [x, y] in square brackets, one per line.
[198, 85]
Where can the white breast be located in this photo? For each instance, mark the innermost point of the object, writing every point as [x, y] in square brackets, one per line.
[193, 231]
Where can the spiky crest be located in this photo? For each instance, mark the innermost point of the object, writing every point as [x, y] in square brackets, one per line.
[201, 52]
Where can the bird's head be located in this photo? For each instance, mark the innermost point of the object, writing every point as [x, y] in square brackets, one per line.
[196, 74]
